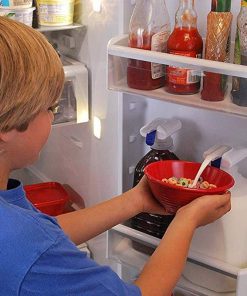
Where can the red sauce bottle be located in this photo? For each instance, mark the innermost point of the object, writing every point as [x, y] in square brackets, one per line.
[185, 40]
[149, 29]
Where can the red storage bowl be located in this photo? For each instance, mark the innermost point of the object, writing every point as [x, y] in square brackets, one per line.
[49, 197]
[173, 197]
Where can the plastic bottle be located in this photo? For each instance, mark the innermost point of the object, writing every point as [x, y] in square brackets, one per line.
[185, 40]
[217, 48]
[239, 85]
[149, 29]
[158, 136]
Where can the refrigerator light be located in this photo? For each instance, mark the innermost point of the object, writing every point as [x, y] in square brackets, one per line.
[97, 5]
[82, 116]
[97, 127]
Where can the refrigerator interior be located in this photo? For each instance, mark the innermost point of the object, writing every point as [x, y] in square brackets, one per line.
[217, 258]
[100, 165]
[200, 130]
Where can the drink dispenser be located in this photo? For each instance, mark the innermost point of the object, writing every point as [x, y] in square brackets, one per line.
[226, 238]
[158, 137]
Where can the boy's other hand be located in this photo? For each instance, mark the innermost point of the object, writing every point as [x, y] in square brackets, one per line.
[206, 209]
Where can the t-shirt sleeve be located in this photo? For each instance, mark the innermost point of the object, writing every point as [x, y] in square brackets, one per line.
[65, 270]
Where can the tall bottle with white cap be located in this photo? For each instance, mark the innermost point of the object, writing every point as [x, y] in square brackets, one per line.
[158, 136]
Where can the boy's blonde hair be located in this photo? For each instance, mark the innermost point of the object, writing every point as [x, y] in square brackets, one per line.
[31, 75]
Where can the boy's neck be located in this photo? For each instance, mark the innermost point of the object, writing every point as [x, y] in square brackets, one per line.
[4, 177]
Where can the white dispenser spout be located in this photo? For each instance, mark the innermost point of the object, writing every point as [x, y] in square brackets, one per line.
[161, 130]
[210, 155]
[216, 151]
[230, 163]
[233, 157]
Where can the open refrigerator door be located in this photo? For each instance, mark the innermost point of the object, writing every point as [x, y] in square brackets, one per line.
[109, 150]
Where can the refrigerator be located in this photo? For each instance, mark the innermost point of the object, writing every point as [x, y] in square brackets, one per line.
[95, 147]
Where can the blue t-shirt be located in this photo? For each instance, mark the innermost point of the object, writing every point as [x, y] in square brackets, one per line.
[37, 258]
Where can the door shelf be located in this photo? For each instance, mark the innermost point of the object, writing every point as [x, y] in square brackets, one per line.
[121, 237]
[119, 53]
[73, 105]
[59, 28]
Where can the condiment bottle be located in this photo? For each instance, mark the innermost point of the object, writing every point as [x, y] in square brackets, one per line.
[158, 137]
[185, 40]
[149, 29]
[239, 85]
[217, 48]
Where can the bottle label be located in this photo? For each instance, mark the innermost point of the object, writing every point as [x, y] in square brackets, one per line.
[159, 43]
[183, 76]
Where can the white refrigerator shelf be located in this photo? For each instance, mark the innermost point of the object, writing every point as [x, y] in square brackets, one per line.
[59, 28]
[118, 46]
[119, 53]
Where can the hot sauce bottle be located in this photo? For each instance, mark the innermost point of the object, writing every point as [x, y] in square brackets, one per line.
[217, 48]
[149, 29]
[185, 40]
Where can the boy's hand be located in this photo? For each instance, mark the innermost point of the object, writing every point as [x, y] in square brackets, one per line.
[206, 209]
[147, 202]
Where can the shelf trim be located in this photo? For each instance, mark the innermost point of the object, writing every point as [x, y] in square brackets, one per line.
[195, 101]
[117, 46]
[59, 28]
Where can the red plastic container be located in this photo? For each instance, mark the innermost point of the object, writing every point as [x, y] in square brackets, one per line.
[173, 197]
[49, 197]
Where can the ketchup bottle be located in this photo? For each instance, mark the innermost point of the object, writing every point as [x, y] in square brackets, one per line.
[149, 29]
[185, 40]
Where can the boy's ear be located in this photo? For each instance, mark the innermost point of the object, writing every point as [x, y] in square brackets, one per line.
[8, 136]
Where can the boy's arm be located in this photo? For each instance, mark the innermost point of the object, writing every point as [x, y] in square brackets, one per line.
[165, 266]
[85, 224]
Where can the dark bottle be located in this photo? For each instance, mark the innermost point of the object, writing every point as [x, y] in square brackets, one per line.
[158, 136]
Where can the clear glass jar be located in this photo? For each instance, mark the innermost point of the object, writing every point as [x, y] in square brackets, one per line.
[149, 29]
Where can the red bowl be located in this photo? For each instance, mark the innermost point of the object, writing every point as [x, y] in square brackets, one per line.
[173, 197]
